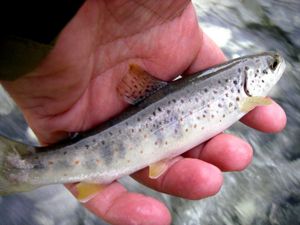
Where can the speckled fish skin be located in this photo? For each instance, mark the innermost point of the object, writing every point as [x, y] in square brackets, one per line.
[176, 118]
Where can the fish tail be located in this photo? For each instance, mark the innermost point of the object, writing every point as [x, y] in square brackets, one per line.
[11, 151]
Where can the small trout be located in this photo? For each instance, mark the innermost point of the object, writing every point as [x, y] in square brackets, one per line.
[175, 118]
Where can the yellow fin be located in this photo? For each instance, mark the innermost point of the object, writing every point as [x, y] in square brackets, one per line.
[86, 191]
[250, 103]
[158, 168]
[138, 84]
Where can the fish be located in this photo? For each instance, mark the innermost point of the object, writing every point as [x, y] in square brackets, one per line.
[165, 119]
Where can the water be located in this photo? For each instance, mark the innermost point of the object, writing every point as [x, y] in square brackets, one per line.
[268, 192]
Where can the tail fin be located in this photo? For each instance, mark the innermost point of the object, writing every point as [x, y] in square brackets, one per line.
[8, 149]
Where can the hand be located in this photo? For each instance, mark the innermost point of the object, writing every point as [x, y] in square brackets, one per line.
[74, 89]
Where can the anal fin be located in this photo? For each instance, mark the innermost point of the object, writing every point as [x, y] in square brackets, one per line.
[86, 191]
[250, 103]
[137, 84]
[158, 168]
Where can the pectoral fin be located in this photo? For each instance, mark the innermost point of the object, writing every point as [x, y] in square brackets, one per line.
[86, 191]
[250, 103]
[158, 168]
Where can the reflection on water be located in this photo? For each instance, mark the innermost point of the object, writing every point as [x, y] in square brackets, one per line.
[268, 192]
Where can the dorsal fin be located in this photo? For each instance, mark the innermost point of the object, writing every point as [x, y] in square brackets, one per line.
[137, 85]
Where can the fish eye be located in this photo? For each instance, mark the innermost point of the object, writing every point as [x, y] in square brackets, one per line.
[274, 65]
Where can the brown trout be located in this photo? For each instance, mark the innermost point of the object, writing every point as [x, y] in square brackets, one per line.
[175, 118]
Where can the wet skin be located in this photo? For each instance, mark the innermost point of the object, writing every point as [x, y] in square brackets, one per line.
[74, 89]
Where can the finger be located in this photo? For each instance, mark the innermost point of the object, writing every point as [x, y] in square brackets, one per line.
[210, 54]
[117, 206]
[269, 119]
[225, 151]
[187, 178]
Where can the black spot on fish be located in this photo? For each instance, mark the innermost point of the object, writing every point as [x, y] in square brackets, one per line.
[168, 111]
[87, 146]
[226, 80]
[237, 98]
[215, 92]
[182, 101]
[246, 68]
[219, 82]
[154, 114]
[239, 70]
[220, 105]
[205, 90]
[103, 142]
[263, 81]
[138, 119]
[235, 82]
[159, 109]
[174, 100]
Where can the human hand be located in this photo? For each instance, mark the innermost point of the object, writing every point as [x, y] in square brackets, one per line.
[74, 89]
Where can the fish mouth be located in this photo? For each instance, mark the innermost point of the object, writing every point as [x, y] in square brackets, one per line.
[282, 63]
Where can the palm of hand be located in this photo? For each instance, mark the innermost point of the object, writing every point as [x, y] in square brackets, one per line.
[74, 89]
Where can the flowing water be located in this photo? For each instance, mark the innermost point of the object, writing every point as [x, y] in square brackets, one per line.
[268, 192]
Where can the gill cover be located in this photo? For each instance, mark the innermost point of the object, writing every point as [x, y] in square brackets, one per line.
[262, 72]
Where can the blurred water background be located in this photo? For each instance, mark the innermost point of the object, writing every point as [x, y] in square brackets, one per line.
[267, 193]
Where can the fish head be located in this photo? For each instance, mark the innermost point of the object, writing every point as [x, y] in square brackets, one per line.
[262, 72]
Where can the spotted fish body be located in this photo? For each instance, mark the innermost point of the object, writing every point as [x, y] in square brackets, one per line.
[174, 119]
